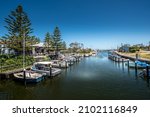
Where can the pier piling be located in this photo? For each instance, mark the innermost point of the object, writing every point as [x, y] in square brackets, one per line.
[24, 76]
[50, 70]
[122, 60]
[65, 63]
[128, 63]
[136, 68]
[118, 59]
[70, 62]
[147, 71]
[59, 65]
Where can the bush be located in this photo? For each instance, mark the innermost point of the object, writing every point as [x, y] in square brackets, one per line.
[15, 62]
[134, 49]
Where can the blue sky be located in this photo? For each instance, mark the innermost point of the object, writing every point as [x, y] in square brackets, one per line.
[99, 24]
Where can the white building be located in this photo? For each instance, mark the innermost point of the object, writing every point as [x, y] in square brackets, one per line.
[5, 50]
[38, 49]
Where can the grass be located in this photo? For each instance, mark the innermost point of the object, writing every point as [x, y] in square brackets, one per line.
[142, 54]
[147, 56]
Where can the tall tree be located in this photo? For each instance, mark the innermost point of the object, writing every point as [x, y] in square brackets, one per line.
[75, 46]
[64, 45]
[48, 42]
[57, 40]
[18, 26]
[34, 40]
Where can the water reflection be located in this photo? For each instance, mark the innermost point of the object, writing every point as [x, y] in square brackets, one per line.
[91, 78]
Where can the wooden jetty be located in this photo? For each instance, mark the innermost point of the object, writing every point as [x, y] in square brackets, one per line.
[9, 73]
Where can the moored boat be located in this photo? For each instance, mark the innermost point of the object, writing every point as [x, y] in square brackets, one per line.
[140, 65]
[59, 63]
[45, 67]
[117, 58]
[30, 77]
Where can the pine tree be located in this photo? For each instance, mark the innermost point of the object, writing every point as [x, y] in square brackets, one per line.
[18, 26]
[57, 40]
[64, 45]
[48, 42]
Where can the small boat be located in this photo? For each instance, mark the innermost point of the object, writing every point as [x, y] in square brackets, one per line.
[59, 64]
[86, 55]
[45, 67]
[70, 60]
[31, 77]
[140, 65]
[94, 53]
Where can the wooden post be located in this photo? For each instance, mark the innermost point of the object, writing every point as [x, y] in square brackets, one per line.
[115, 58]
[128, 63]
[24, 76]
[136, 68]
[122, 60]
[50, 70]
[136, 56]
[118, 59]
[147, 71]
[65, 63]
[59, 65]
[70, 62]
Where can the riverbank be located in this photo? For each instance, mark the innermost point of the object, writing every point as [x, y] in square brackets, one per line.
[143, 56]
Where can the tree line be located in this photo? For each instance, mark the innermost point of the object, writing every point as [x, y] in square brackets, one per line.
[19, 33]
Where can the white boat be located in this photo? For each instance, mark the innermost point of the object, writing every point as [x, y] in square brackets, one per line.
[140, 65]
[30, 77]
[59, 63]
[86, 55]
[70, 60]
[45, 67]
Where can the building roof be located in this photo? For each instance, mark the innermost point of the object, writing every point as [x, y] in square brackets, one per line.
[44, 62]
[38, 45]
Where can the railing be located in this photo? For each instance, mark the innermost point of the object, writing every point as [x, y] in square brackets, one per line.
[11, 67]
[8, 67]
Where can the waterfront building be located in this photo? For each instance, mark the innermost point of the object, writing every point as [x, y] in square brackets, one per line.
[5, 50]
[124, 48]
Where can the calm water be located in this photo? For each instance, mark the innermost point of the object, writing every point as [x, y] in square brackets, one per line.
[91, 78]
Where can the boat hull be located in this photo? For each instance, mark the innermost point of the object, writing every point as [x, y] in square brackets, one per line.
[19, 77]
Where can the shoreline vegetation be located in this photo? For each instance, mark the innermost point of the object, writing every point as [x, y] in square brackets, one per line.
[19, 41]
[142, 55]
[13, 63]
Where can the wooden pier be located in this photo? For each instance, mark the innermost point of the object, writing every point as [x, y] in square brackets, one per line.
[9, 73]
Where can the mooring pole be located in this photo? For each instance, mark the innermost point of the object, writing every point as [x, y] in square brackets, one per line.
[59, 65]
[136, 68]
[24, 76]
[70, 62]
[65, 63]
[50, 70]
[147, 70]
[128, 63]
[115, 58]
[122, 60]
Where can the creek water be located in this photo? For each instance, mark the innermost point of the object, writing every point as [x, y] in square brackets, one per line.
[92, 78]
